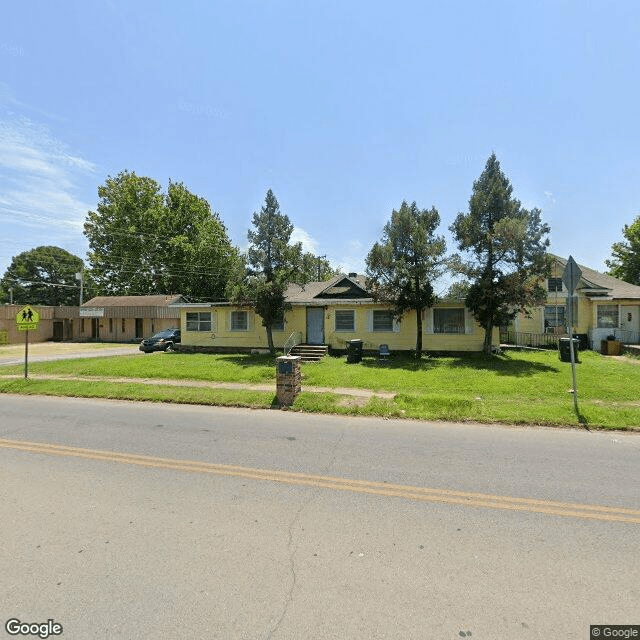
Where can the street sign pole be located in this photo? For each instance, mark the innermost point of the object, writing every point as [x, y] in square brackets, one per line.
[26, 354]
[27, 319]
[571, 278]
[573, 370]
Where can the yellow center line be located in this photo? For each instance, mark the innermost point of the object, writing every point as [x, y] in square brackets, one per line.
[423, 494]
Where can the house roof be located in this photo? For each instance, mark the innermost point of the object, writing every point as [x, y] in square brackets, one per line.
[341, 289]
[134, 301]
[595, 284]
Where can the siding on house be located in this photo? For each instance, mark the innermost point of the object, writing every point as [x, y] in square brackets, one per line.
[65, 320]
[128, 318]
[401, 338]
[593, 291]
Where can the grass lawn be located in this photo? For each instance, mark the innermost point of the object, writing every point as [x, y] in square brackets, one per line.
[516, 388]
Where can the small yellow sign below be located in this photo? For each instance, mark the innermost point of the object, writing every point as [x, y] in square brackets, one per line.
[27, 319]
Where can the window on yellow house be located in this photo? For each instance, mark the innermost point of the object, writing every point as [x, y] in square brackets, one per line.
[448, 320]
[382, 320]
[239, 320]
[553, 317]
[199, 321]
[279, 325]
[345, 320]
[607, 316]
[555, 284]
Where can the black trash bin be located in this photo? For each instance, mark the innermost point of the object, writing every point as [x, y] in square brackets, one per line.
[564, 347]
[354, 351]
[584, 340]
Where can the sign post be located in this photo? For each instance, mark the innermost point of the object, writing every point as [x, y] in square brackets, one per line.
[571, 278]
[26, 319]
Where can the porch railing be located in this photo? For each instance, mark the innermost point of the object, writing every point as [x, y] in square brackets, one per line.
[627, 337]
[536, 340]
[294, 339]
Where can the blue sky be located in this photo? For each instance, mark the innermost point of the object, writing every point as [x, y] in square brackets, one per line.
[344, 109]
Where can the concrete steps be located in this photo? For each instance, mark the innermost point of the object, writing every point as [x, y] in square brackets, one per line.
[310, 352]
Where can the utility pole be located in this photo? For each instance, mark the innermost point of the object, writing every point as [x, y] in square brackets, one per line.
[80, 276]
[319, 263]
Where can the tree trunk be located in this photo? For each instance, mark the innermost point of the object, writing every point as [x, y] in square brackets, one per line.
[270, 340]
[488, 339]
[418, 333]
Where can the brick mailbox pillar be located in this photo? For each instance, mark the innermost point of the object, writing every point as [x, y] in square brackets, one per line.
[288, 379]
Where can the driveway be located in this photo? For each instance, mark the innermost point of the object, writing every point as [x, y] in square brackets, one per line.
[42, 351]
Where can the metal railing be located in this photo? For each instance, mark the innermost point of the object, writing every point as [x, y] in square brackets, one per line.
[627, 337]
[536, 340]
[294, 339]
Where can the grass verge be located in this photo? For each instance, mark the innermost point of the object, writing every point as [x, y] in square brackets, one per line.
[140, 392]
[517, 388]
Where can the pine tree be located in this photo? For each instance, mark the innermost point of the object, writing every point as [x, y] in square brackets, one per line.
[507, 246]
[403, 265]
[272, 263]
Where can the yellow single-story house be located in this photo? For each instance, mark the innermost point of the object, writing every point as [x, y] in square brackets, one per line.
[603, 306]
[329, 313]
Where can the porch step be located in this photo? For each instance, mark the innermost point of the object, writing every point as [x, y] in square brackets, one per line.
[310, 352]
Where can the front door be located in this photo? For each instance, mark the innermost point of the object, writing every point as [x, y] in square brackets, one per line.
[57, 330]
[630, 322]
[315, 325]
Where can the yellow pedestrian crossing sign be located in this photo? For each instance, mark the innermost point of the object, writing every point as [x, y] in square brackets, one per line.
[27, 319]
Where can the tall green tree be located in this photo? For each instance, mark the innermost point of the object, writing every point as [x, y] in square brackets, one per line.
[272, 263]
[44, 276]
[625, 261]
[403, 265]
[506, 252]
[200, 258]
[142, 241]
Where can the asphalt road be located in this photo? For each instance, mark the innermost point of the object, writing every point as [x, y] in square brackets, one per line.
[160, 521]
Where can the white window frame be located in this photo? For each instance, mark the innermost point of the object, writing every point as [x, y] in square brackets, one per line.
[599, 322]
[388, 328]
[236, 315]
[562, 321]
[201, 323]
[469, 321]
[353, 317]
[450, 309]
[557, 285]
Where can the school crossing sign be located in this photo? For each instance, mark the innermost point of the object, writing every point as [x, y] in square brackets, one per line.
[27, 319]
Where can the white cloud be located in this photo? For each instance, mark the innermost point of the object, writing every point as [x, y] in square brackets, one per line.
[39, 176]
[352, 259]
[308, 243]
